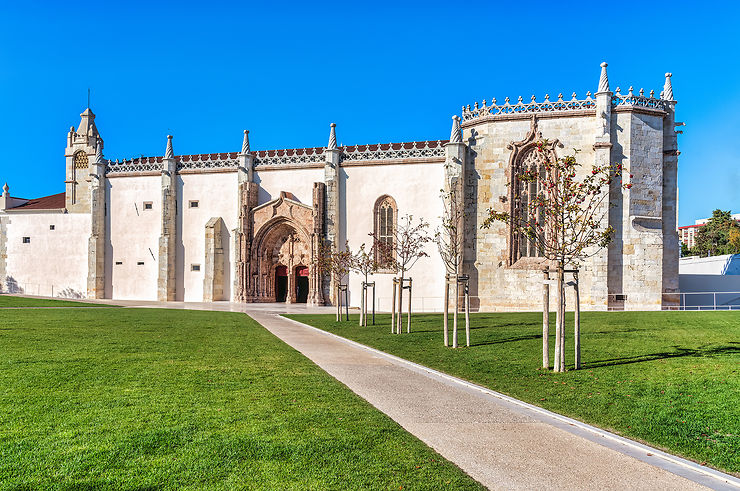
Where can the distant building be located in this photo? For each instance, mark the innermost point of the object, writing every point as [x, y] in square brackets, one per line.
[687, 233]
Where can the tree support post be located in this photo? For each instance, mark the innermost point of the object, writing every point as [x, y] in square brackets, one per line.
[446, 309]
[454, 315]
[365, 287]
[546, 320]
[464, 280]
[362, 304]
[408, 321]
[393, 307]
[339, 301]
[577, 333]
[467, 312]
[342, 288]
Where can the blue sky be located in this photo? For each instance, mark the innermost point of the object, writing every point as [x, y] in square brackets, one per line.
[203, 71]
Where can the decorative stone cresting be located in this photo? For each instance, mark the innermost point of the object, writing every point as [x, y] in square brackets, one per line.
[520, 107]
[494, 109]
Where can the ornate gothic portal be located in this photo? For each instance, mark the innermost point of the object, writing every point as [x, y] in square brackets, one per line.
[279, 265]
[281, 255]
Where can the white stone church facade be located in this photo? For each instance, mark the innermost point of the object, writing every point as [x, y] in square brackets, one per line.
[246, 226]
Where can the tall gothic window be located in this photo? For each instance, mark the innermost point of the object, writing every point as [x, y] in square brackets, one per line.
[386, 214]
[524, 192]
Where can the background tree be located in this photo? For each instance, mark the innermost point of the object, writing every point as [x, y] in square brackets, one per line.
[713, 239]
[449, 238]
[566, 219]
[335, 263]
[365, 263]
[407, 247]
[734, 245]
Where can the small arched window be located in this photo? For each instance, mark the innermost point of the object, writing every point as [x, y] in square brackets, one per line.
[386, 214]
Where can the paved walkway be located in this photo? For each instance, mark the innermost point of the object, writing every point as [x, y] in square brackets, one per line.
[499, 441]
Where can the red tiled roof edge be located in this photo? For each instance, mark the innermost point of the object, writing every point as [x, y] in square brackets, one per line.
[53, 202]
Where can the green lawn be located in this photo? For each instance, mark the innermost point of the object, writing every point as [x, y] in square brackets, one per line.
[141, 398]
[671, 379]
[12, 301]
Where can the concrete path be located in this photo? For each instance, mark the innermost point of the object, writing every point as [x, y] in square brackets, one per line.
[499, 441]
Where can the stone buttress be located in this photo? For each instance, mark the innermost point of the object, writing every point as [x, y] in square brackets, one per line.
[167, 272]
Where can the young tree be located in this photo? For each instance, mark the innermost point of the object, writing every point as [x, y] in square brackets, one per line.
[713, 239]
[449, 238]
[365, 263]
[336, 263]
[407, 247]
[565, 219]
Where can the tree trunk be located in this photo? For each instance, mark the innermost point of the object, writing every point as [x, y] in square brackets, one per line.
[559, 322]
[399, 326]
[362, 304]
[562, 317]
[339, 303]
[454, 316]
[446, 309]
[467, 316]
[546, 323]
[408, 321]
[393, 308]
[577, 333]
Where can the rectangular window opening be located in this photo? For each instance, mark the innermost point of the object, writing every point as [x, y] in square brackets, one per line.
[26, 240]
[118, 263]
[148, 205]
[193, 204]
[51, 227]
[195, 267]
[140, 263]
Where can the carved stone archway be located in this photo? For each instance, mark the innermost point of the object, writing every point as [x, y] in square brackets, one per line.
[285, 241]
[279, 244]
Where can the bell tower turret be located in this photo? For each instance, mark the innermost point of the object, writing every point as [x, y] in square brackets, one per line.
[82, 146]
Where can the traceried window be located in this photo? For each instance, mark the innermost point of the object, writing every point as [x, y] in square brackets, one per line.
[524, 192]
[80, 162]
[386, 214]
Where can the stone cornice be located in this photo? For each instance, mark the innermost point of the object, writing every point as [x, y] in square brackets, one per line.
[640, 110]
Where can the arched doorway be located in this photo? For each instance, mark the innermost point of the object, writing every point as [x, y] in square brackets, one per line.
[281, 283]
[301, 284]
[282, 254]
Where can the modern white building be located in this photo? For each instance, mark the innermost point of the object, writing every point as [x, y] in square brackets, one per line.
[246, 226]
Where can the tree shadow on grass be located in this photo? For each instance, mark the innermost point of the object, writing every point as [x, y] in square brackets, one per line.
[679, 352]
[508, 340]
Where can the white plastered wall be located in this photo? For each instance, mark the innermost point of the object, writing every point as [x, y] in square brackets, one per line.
[296, 181]
[133, 237]
[217, 197]
[416, 190]
[54, 262]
